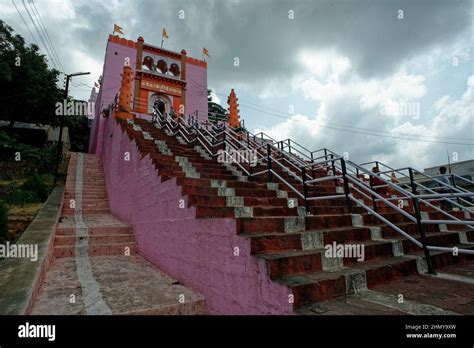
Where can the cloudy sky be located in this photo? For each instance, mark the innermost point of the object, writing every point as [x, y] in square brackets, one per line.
[387, 80]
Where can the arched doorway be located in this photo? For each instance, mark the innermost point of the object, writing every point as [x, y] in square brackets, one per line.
[160, 105]
[161, 101]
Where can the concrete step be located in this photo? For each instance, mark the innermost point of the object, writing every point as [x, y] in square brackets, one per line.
[126, 248]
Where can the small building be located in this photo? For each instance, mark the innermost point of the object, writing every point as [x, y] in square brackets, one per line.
[49, 134]
[464, 169]
[172, 81]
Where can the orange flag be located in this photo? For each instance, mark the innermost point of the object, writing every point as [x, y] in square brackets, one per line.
[117, 29]
[205, 52]
[165, 34]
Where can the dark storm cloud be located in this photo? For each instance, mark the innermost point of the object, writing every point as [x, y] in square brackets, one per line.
[267, 42]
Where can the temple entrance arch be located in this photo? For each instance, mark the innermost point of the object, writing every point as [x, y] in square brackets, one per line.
[161, 101]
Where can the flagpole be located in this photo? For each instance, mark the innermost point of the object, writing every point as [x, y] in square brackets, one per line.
[162, 40]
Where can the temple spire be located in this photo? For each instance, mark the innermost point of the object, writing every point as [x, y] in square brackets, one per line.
[125, 93]
[234, 117]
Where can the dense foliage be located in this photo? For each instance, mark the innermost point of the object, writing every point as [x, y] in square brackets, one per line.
[215, 111]
[42, 159]
[29, 87]
[3, 221]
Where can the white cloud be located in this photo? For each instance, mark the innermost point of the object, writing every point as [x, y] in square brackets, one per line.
[215, 98]
[356, 103]
[325, 64]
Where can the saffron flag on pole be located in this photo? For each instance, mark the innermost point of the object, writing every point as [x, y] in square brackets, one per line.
[205, 52]
[164, 35]
[117, 29]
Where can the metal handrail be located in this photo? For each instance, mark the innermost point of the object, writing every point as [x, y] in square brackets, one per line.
[429, 179]
[349, 173]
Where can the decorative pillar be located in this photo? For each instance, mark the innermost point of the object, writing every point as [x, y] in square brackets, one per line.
[136, 98]
[125, 94]
[234, 118]
[183, 77]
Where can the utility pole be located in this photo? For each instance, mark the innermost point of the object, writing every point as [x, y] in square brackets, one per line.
[449, 161]
[60, 140]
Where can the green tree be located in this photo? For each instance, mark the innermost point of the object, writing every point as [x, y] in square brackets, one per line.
[3, 221]
[29, 87]
[215, 111]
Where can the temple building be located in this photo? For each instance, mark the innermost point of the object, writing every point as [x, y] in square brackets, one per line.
[172, 81]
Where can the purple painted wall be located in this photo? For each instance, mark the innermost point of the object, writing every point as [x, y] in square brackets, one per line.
[197, 252]
[114, 61]
[196, 90]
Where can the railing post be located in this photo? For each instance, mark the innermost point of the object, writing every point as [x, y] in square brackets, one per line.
[269, 161]
[224, 141]
[374, 203]
[213, 149]
[305, 188]
[312, 167]
[346, 185]
[377, 164]
[250, 173]
[453, 180]
[325, 155]
[289, 145]
[419, 225]
[333, 166]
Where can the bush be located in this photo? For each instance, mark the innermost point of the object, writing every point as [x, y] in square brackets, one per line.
[3, 221]
[36, 185]
[18, 196]
[39, 160]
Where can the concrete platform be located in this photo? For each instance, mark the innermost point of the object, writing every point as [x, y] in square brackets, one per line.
[449, 294]
[128, 285]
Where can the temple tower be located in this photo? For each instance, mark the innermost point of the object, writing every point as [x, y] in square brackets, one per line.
[234, 117]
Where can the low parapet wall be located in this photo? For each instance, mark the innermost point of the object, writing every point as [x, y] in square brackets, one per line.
[20, 277]
[200, 253]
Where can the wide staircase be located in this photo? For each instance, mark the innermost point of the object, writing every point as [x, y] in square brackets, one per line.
[95, 267]
[292, 234]
[106, 234]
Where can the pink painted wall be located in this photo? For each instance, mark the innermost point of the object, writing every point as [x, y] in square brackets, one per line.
[196, 90]
[197, 252]
[115, 55]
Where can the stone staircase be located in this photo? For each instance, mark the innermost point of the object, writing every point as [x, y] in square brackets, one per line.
[288, 237]
[96, 268]
[106, 234]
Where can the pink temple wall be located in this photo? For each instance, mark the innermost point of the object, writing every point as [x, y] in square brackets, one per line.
[115, 55]
[196, 90]
[197, 252]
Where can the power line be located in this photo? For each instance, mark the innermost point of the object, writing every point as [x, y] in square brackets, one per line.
[365, 133]
[357, 132]
[47, 36]
[43, 36]
[351, 129]
[40, 36]
[27, 27]
[372, 130]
